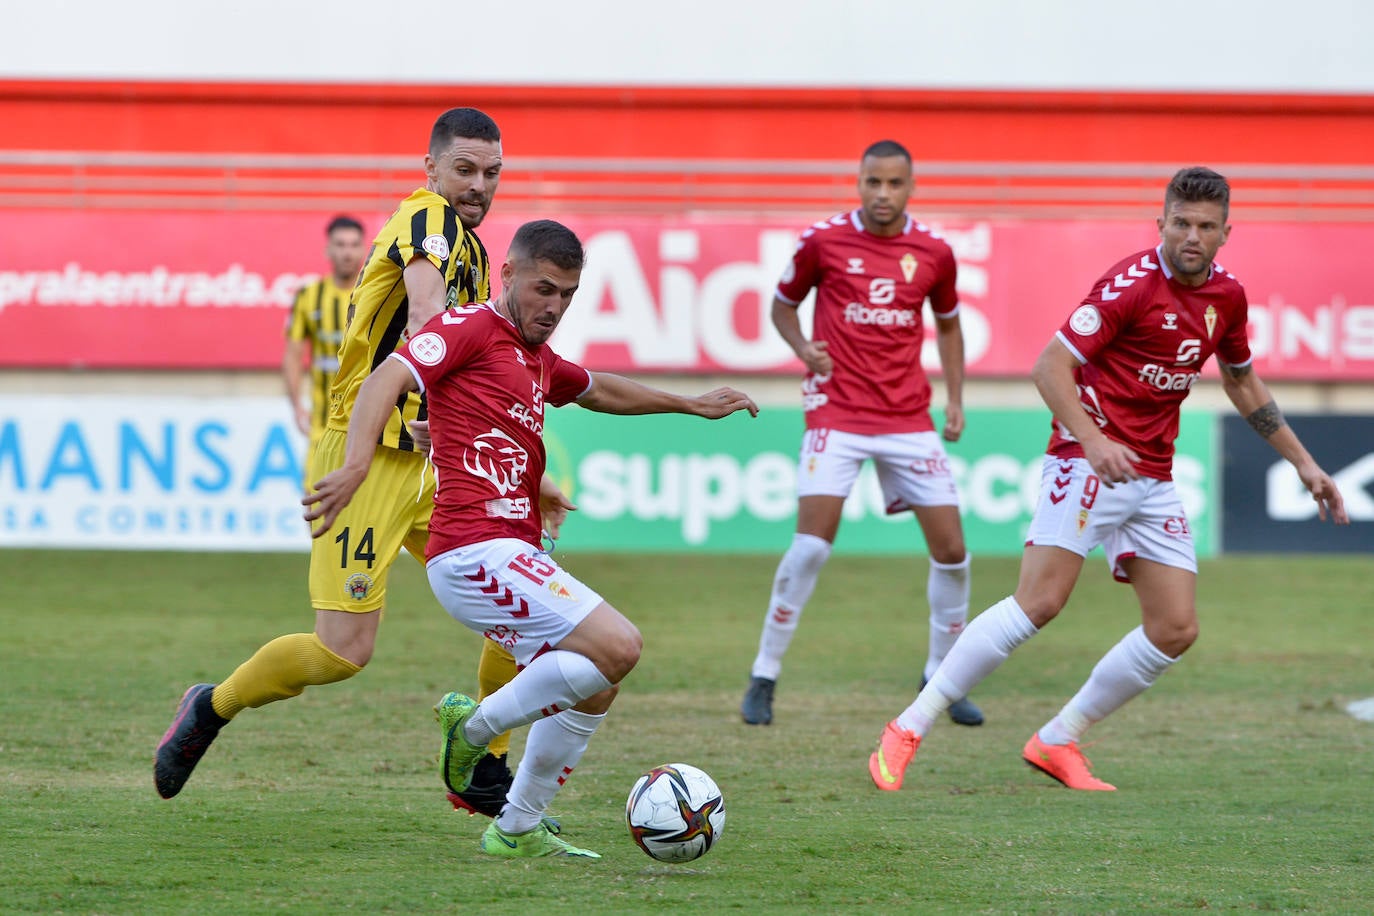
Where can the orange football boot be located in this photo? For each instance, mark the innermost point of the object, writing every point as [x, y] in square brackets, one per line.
[896, 748]
[1064, 762]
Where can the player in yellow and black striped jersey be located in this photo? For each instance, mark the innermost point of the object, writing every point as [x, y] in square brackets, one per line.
[315, 326]
[424, 226]
[425, 258]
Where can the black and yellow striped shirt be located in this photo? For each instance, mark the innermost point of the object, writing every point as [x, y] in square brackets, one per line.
[318, 315]
[423, 226]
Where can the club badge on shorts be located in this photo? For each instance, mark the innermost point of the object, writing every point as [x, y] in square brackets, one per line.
[358, 585]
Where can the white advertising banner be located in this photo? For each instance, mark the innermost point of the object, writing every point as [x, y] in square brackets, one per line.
[185, 473]
[131, 473]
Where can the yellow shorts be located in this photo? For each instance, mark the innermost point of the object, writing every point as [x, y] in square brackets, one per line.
[311, 446]
[349, 563]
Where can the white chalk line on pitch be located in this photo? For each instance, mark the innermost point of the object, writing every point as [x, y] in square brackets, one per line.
[1362, 709]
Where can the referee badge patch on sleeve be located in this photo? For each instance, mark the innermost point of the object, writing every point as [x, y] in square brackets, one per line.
[1085, 320]
[428, 349]
[436, 245]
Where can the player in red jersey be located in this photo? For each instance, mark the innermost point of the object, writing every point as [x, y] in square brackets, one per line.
[488, 374]
[866, 396]
[1114, 377]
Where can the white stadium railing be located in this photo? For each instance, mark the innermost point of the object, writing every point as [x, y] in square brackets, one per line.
[77, 180]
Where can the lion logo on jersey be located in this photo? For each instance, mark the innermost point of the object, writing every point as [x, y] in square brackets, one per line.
[497, 457]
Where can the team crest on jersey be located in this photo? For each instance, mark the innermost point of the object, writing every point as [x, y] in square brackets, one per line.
[560, 590]
[436, 245]
[1170, 321]
[1209, 318]
[496, 457]
[856, 266]
[520, 356]
[358, 585]
[1082, 521]
[909, 265]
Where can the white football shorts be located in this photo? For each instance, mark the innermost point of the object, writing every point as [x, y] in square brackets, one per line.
[913, 469]
[1140, 518]
[511, 593]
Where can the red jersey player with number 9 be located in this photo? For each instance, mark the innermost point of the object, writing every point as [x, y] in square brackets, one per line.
[1114, 377]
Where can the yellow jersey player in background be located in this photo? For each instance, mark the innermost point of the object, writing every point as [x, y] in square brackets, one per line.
[315, 328]
[424, 259]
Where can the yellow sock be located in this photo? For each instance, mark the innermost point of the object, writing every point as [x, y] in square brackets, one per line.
[495, 669]
[281, 669]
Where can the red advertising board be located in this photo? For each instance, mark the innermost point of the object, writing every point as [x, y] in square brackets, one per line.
[210, 290]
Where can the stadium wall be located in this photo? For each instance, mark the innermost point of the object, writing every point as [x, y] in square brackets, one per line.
[636, 122]
[628, 124]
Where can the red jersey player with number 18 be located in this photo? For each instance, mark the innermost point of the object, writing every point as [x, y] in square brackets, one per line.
[866, 396]
[1114, 377]
[488, 373]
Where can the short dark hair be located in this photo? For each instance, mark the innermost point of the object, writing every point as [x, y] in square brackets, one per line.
[1196, 184]
[546, 240]
[342, 222]
[884, 148]
[468, 123]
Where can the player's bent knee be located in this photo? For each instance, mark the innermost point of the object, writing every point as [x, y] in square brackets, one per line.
[948, 554]
[1040, 610]
[1173, 639]
[1180, 639]
[351, 636]
[598, 705]
[622, 653]
[358, 652]
[609, 640]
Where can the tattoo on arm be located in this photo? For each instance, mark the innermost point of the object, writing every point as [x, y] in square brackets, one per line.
[1267, 420]
[1237, 372]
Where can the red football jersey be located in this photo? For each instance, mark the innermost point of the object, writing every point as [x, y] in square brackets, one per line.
[486, 390]
[869, 293]
[1142, 338]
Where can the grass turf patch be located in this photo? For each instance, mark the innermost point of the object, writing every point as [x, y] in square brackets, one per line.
[1243, 784]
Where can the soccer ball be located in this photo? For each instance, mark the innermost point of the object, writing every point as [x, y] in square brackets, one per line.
[675, 813]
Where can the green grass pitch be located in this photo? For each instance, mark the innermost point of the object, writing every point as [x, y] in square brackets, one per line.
[1244, 786]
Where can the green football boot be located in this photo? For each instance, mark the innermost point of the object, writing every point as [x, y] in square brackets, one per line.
[532, 844]
[459, 757]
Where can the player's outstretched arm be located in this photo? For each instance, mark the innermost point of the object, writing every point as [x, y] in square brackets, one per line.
[376, 399]
[1252, 399]
[619, 395]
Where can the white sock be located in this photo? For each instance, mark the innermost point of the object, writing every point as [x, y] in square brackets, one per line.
[553, 682]
[553, 749]
[1126, 671]
[793, 584]
[985, 643]
[947, 590]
